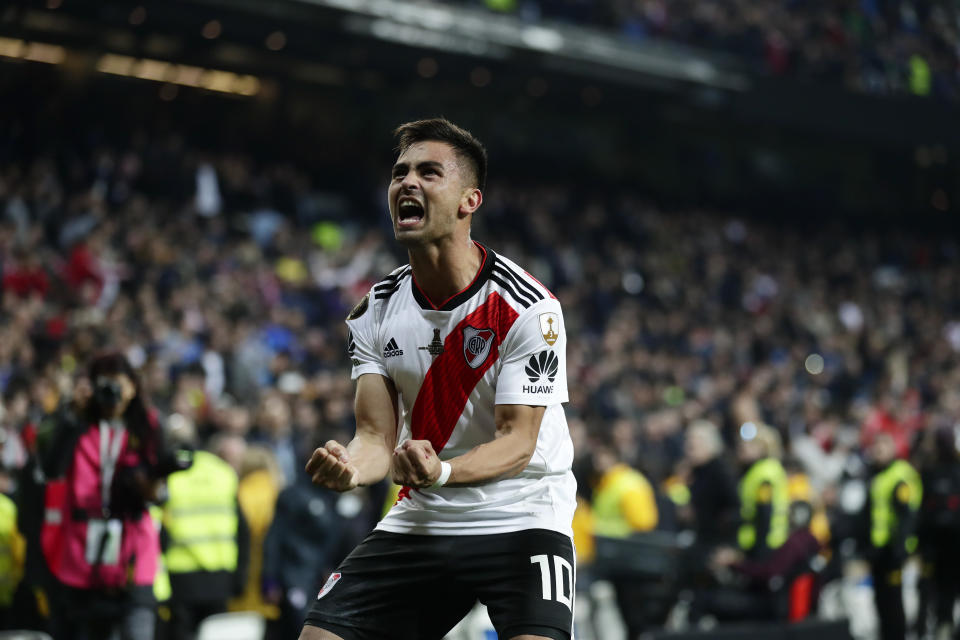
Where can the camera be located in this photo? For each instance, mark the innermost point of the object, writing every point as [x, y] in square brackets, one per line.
[108, 393]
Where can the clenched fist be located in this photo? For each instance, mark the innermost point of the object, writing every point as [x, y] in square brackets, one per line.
[330, 467]
[415, 464]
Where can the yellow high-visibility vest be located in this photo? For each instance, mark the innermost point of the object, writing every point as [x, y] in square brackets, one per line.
[11, 551]
[200, 517]
[767, 472]
[610, 503]
[883, 519]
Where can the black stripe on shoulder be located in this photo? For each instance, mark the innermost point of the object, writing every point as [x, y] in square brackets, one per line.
[506, 286]
[522, 287]
[522, 279]
[504, 279]
[393, 278]
[386, 293]
[395, 275]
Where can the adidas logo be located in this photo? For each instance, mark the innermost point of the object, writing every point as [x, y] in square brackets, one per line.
[392, 349]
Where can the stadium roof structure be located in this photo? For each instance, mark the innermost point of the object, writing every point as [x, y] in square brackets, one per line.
[682, 121]
[315, 33]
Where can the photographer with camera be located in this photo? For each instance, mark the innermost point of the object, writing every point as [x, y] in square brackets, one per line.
[104, 461]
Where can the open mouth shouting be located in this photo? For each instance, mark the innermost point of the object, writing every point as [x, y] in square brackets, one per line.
[409, 213]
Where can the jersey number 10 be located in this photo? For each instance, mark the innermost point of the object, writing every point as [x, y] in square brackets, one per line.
[563, 578]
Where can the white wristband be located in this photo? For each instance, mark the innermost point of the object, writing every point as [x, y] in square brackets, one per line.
[445, 470]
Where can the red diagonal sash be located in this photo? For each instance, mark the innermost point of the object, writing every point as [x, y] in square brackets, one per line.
[450, 379]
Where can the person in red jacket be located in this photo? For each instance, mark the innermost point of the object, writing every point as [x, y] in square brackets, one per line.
[25, 276]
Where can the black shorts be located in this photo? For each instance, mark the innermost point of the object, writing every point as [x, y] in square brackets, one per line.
[413, 587]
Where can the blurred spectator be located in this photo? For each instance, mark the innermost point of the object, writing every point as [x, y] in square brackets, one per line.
[939, 525]
[273, 430]
[623, 500]
[231, 448]
[14, 425]
[260, 483]
[895, 499]
[713, 495]
[764, 497]
[806, 507]
[877, 47]
[763, 588]
[12, 555]
[624, 503]
[205, 539]
[25, 275]
[304, 544]
[782, 582]
[103, 460]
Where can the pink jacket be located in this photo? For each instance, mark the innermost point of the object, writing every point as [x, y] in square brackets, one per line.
[71, 502]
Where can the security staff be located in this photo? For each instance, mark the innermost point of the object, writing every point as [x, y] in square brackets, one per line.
[764, 494]
[624, 503]
[895, 497]
[205, 540]
[11, 559]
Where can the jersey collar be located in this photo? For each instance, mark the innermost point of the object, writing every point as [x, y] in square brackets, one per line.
[454, 301]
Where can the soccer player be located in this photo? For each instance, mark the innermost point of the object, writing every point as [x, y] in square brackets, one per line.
[460, 365]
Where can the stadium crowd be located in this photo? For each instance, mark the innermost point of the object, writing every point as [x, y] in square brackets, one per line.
[874, 46]
[224, 282]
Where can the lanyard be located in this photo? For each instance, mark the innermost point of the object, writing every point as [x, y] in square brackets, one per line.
[109, 454]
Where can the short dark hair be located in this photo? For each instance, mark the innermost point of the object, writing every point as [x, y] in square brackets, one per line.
[466, 146]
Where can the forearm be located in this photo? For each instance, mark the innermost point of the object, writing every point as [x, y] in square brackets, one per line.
[504, 457]
[370, 453]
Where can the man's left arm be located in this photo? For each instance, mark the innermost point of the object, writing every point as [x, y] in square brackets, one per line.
[416, 464]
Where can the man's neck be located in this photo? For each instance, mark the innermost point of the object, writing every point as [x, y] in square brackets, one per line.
[443, 271]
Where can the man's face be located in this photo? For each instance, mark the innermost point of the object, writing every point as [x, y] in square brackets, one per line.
[697, 447]
[884, 449]
[749, 450]
[427, 188]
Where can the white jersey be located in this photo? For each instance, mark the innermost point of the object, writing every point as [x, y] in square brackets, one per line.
[499, 341]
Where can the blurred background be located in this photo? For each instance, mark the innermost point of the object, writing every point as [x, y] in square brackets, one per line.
[747, 209]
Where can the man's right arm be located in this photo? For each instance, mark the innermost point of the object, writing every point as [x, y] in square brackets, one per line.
[366, 459]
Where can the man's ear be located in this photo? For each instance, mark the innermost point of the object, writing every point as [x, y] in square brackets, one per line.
[470, 201]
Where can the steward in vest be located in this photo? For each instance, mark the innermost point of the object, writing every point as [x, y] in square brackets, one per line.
[104, 461]
[205, 538]
[12, 551]
[896, 494]
[771, 576]
[624, 504]
[764, 496]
